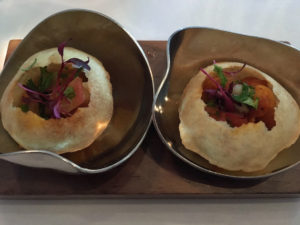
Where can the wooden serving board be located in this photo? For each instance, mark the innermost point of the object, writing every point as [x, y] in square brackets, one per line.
[152, 172]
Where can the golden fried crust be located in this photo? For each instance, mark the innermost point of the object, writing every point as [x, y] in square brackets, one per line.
[66, 134]
[247, 148]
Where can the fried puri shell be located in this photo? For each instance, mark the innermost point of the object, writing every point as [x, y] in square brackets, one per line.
[249, 147]
[58, 135]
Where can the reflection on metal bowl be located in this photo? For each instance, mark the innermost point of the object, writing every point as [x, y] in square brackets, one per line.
[191, 48]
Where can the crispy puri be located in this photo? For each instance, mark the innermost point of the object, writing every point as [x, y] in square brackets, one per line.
[249, 147]
[65, 134]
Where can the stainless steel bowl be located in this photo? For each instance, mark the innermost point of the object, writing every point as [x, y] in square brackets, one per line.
[131, 78]
[191, 48]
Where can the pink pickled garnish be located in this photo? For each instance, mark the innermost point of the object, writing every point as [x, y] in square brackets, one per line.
[228, 103]
[34, 92]
[235, 72]
[56, 112]
[56, 94]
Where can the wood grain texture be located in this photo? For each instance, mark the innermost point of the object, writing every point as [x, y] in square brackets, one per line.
[152, 172]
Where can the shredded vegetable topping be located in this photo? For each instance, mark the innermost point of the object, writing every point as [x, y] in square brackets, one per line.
[225, 97]
[54, 88]
[237, 101]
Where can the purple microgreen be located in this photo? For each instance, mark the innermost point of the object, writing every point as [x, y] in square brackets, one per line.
[228, 103]
[212, 79]
[37, 98]
[30, 67]
[56, 110]
[212, 92]
[37, 101]
[235, 72]
[79, 63]
[61, 47]
[49, 96]
[31, 91]
[230, 88]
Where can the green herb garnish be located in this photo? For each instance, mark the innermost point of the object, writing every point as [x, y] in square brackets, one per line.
[30, 67]
[247, 96]
[69, 92]
[45, 79]
[24, 107]
[252, 102]
[220, 74]
[44, 83]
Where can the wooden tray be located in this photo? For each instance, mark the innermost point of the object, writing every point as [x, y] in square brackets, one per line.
[152, 172]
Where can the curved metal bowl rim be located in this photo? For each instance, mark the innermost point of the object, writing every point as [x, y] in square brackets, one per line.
[77, 167]
[173, 150]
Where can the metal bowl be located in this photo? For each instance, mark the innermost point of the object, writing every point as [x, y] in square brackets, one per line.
[131, 78]
[191, 48]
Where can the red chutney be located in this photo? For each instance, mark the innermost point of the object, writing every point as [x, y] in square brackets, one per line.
[264, 112]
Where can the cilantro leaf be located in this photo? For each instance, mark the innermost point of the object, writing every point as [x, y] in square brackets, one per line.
[220, 74]
[247, 96]
[30, 67]
[24, 107]
[251, 102]
[45, 79]
[69, 92]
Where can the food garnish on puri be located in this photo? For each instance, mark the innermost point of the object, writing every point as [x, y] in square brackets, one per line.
[237, 117]
[59, 100]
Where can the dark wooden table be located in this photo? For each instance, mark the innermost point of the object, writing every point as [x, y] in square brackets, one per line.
[152, 172]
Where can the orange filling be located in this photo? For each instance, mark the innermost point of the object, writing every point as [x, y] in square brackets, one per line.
[243, 114]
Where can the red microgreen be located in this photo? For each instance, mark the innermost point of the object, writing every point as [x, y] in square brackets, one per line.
[31, 91]
[228, 103]
[235, 72]
[61, 47]
[56, 110]
[48, 95]
[79, 63]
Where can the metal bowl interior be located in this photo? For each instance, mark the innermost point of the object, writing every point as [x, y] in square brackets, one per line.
[130, 75]
[192, 48]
